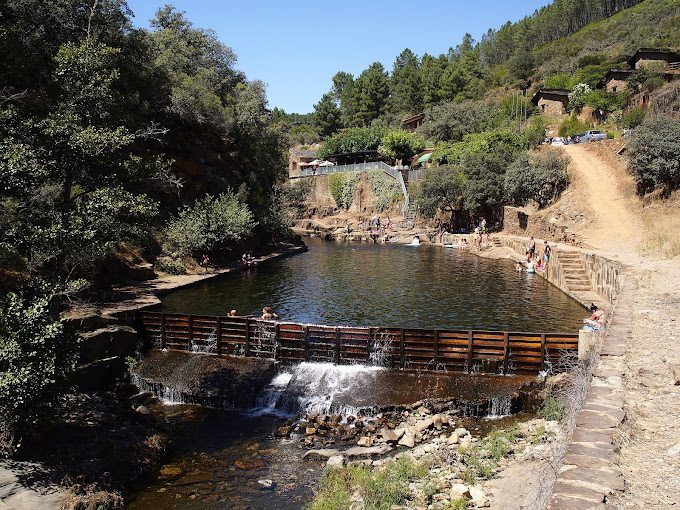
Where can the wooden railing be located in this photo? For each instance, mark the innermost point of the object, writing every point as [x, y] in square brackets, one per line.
[404, 348]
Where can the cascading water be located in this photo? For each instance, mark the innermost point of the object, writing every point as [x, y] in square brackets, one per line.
[319, 387]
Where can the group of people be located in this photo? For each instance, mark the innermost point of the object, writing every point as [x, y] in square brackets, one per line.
[247, 260]
[597, 319]
[535, 261]
[268, 314]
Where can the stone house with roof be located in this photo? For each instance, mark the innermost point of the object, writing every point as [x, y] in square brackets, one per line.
[299, 157]
[551, 102]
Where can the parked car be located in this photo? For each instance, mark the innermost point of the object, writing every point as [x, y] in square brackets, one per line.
[593, 135]
[559, 141]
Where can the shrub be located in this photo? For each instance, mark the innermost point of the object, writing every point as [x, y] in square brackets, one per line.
[442, 188]
[577, 98]
[210, 224]
[298, 190]
[572, 126]
[343, 186]
[352, 140]
[542, 179]
[552, 408]
[654, 150]
[400, 145]
[558, 81]
[633, 118]
[38, 353]
[385, 188]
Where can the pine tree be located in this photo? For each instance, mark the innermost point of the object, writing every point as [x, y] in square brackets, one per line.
[371, 93]
[327, 116]
[405, 84]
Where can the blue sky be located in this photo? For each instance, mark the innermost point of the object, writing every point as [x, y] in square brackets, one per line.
[296, 46]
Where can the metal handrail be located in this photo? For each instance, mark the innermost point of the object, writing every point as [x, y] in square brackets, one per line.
[362, 167]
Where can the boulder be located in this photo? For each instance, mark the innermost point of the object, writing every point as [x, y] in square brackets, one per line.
[424, 424]
[143, 410]
[453, 438]
[112, 340]
[310, 431]
[392, 436]
[365, 441]
[335, 462]
[459, 490]
[359, 452]
[407, 440]
[320, 454]
[478, 497]
[461, 432]
[266, 484]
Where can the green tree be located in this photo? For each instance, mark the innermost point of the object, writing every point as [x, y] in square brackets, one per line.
[352, 140]
[344, 92]
[442, 188]
[371, 91]
[400, 145]
[541, 179]
[38, 353]
[450, 121]
[431, 70]
[405, 84]
[654, 147]
[211, 224]
[327, 116]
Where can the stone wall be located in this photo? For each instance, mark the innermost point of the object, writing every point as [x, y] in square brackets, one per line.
[551, 107]
[605, 275]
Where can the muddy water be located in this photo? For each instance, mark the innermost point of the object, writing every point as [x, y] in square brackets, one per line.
[389, 285]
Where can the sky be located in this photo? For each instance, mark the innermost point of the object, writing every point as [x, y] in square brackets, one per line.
[296, 46]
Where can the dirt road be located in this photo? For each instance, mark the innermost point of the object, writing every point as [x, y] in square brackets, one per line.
[650, 437]
[601, 186]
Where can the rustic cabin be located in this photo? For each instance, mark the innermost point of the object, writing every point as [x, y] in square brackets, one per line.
[414, 122]
[655, 57]
[299, 158]
[615, 80]
[551, 101]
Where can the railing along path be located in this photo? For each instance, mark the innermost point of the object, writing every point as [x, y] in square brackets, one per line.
[404, 348]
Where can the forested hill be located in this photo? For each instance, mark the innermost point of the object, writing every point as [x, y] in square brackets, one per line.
[525, 55]
[105, 130]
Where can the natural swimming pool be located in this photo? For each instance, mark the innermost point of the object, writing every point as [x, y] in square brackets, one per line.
[388, 285]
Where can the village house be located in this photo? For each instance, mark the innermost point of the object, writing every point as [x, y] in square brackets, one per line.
[414, 122]
[551, 101]
[615, 80]
[663, 59]
[299, 158]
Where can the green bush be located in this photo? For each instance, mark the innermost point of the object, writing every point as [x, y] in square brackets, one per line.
[352, 140]
[401, 145]
[654, 148]
[297, 191]
[210, 224]
[552, 409]
[385, 188]
[542, 178]
[342, 187]
[38, 353]
[633, 118]
[573, 126]
[380, 487]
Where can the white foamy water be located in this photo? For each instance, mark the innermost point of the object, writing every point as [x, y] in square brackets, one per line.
[316, 387]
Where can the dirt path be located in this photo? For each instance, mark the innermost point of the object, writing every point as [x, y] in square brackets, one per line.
[601, 189]
[649, 437]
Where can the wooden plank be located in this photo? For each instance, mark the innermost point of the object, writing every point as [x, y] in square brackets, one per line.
[470, 346]
[506, 351]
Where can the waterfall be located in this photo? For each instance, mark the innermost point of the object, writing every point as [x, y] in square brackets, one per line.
[500, 407]
[319, 387]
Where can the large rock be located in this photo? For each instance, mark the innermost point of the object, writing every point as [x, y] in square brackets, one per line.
[360, 452]
[225, 382]
[407, 440]
[335, 462]
[99, 374]
[392, 436]
[113, 340]
[321, 454]
[459, 490]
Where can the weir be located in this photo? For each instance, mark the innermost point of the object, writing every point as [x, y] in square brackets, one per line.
[435, 350]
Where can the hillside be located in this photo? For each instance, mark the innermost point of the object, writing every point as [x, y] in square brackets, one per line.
[651, 23]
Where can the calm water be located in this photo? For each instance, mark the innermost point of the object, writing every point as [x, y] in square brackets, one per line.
[388, 285]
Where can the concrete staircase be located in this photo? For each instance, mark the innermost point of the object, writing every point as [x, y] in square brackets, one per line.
[576, 278]
[410, 215]
[496, 242]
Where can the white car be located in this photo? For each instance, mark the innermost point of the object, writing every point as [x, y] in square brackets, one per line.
[593, 135]
[558, 141]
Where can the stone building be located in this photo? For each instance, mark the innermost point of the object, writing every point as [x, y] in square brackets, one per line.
[615, 80]
[414, 122]
[663, 59]
[298, 158]
[552, 102]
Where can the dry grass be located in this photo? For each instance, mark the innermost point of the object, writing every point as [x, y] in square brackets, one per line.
[662, 235]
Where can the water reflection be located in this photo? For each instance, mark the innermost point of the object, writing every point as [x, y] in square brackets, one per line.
[389, 285]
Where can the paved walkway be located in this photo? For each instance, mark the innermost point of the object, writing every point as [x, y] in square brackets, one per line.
[27, 486]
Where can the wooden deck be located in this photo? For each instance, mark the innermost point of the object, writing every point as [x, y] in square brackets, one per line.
[403, 348]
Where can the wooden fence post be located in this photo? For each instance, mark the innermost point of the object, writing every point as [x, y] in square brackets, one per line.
[305, 340]
[247, 329]
[470, 348]
[403, 348]
[337, 345]
[506, 351]
[219, 335]
[542, 351]
[162, 331]
[191, 331]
